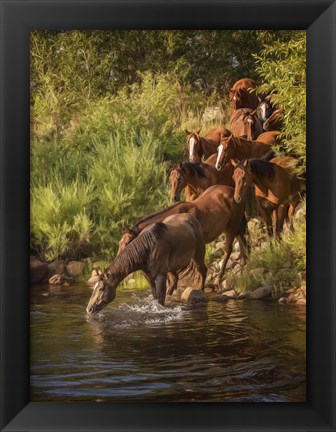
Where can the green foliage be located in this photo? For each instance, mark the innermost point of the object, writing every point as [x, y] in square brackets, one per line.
[108, 113]
[60, 219]
[282, 66]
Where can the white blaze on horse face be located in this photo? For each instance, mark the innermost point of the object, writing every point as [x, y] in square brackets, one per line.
[220, 152]
[263, 111]
[192, 146]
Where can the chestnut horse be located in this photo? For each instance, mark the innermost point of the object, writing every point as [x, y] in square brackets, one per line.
[204, 146]
[195, 178]
[217, 213]
[245, 123]
[276, 187]
[162, 247]
[270, 137]
[239, 148]
[243, 95]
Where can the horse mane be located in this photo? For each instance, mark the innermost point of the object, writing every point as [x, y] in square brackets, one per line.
[192, 168]
[136, 252]
[262, 168]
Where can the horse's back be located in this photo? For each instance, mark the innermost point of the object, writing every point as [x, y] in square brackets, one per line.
[215, 134]
[268, 137]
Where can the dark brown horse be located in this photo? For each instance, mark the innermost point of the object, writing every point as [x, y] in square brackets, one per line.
[239, 148]
[204, 146]
[195, 178]
[245, 123]
[162, 247]
[274, 121]
[217, 213]
[276, 188]
[243, 95]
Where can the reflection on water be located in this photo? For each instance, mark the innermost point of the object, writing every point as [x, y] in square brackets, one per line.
[137, 350]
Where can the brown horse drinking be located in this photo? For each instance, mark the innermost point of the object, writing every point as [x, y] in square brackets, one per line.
[245, 123]
[217, 213]
[204, 146]
[162, 247]
[195, 178]
[239, 148]
[276, 187]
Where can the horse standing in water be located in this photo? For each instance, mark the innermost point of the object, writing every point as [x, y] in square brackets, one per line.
[244, 123]
[239, 148]
[216, 211]
[204, 146]
[195, 178]
[276, 187]
[162, 247]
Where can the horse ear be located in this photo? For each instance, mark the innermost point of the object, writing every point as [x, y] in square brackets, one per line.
[187, 132]
[233, 163]
[180, 164]
[198, 132]
[246, 162]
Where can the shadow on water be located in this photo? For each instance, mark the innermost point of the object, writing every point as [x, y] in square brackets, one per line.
[137, 350]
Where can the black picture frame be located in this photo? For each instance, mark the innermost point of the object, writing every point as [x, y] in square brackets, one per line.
[17, 19]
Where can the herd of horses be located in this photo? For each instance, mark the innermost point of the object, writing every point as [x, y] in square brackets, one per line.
[222, 167]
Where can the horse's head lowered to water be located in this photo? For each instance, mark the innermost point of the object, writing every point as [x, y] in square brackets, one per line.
[103, 293]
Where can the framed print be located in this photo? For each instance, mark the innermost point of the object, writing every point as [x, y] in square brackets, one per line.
[65, 365]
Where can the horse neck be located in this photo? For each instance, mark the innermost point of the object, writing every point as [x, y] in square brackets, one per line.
[207, 147]
[196, 182]
[262, 183]
[122, 266]
[242, 148]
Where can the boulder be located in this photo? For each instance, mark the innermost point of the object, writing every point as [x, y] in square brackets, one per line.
[75, 268]
[257, 272]
[227, 285]
[235, 256]
[193, 295]
[54, 268]
[38, 270]
[178, 293]
[230, 294]
[301, 302]
[209, 289]
[261, 292]
[243, 295]
[220, 298]
[58, 279]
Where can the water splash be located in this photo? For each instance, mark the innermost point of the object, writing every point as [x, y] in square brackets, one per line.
[142, 310]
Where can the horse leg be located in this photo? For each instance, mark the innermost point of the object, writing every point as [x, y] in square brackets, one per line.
[199, 263]
[280, 218]
[160, 284]
[227, 253]
[171, 288]
[151, 283]
[244, 247]
[291, 211]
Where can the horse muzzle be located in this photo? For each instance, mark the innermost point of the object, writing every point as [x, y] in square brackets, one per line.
[218, 166]
[238, 199]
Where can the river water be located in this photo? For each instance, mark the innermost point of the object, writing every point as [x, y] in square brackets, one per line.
[136, 350]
